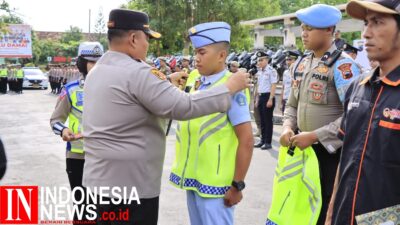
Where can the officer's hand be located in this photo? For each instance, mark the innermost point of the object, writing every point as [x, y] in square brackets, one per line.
[238, 81]
[269, 103]
[304, 139]
[285, 137]
[68, 135]
[178, 78]
[232, 197]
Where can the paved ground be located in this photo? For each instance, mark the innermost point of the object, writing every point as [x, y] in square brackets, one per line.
[37, 157]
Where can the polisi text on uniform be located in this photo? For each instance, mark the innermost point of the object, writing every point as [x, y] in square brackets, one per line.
[320, 77]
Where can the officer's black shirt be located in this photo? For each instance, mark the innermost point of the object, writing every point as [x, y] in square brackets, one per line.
[370, 163]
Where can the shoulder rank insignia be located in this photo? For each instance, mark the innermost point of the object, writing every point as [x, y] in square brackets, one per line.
[345, 69]
[158, 74]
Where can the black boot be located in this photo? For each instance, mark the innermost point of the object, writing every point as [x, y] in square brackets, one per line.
[266, 147]
[259, 144]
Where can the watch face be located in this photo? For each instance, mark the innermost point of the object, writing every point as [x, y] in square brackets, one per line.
[240, 185]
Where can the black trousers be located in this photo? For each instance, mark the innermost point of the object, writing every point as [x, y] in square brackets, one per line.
[3, 85]
[11, 85]
[144, 214]
[328, 164]
[20, 83]
[75, 174]
[266, 116]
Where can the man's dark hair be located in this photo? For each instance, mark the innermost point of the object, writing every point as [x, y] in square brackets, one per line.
[397, 18]
[116, 34]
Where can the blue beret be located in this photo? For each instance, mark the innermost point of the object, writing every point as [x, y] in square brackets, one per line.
[209, 33]
[319, 16]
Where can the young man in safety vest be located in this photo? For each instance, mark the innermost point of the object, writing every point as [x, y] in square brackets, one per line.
[20, 79]
[213, 152]
[70, 105]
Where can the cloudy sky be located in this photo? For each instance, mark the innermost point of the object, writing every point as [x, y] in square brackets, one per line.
[58, 15]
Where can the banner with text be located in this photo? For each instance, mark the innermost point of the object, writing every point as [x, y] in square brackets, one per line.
[16, 42]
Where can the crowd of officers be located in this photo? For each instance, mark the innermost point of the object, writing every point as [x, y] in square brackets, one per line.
[11, 79]
[60, 75]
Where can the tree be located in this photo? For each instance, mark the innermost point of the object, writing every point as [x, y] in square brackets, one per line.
[73, 34]
[9, 18]
[100, 29]
[290, 6]
[174, 18]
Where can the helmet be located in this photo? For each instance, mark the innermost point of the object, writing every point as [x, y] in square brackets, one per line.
[90, 51]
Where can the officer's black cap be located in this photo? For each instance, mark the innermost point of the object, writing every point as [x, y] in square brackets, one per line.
[262, 54]
[350, 48]
[292, 54]
[124, 19]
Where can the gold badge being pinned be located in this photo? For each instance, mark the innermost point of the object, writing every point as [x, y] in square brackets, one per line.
[197, 84]
[158, 74]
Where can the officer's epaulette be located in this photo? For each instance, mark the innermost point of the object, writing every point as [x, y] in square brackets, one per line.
[332, 58]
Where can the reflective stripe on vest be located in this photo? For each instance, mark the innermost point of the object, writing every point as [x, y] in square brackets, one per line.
[296, 196]
[205, 154]
[75, 94]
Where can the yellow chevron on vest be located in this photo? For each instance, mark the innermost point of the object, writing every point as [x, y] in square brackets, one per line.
[296, 195]
[205, 154]
[75, 94]
[3, 73]
[20, 73]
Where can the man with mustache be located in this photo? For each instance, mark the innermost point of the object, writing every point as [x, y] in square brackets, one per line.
[367, 187]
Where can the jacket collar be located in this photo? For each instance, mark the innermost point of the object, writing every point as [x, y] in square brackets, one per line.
[392, 79]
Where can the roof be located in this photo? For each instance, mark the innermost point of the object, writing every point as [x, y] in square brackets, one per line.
[280, 18]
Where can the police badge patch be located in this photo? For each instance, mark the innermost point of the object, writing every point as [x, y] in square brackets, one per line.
[62, 94]
[300, 68]
[79, 98]
[322, 69]
[158, 74]
[345, 69]
[241, 99]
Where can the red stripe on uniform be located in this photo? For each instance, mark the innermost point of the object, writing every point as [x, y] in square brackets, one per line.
[393, 126]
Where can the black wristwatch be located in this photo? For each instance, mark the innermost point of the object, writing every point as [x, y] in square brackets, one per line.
[239, 185]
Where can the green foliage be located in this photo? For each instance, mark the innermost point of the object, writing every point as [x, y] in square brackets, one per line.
[100, 30]
[73, 34]
[174, 18]
[8, 18]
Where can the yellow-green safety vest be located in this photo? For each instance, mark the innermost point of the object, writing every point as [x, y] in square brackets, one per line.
[3, 73]
[205, 153]
[296, 196]
[193, 76]
[75, 95]
[20, 74]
